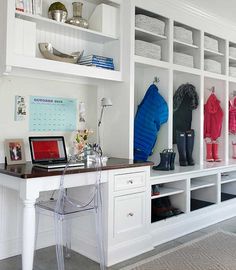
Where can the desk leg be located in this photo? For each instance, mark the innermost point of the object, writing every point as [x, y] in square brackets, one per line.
[28, 235]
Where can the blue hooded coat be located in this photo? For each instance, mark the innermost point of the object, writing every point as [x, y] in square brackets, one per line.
[151, 114]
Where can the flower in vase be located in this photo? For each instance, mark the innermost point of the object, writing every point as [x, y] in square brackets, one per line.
[82, 138]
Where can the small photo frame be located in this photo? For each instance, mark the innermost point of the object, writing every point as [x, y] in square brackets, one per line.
[14, 151]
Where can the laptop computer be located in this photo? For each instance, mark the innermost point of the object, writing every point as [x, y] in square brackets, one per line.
[49, 152]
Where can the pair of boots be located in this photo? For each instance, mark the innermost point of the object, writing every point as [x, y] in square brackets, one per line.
[185, 143]
[167, 161]
[212, 149]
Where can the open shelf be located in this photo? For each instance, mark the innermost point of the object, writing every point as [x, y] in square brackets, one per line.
[148, 62]
[166, 191]
[180, 45]
[227, 196]
[46, 23]
[147, 35]
[198, 184]
[198, 204]
[210, 53]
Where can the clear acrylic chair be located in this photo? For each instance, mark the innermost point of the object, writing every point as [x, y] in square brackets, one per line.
[64, 208]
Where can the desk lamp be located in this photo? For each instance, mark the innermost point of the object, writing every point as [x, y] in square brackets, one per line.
[105, 102]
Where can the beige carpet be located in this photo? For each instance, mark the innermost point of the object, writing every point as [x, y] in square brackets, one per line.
[215, 251]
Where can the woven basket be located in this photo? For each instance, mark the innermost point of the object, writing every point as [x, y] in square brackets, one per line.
[147, 49]
[182, 34]
[211, 44]
[150, 24]
[212, 66]
[183, 59]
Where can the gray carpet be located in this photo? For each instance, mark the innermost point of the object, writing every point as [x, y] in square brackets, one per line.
[215, 251]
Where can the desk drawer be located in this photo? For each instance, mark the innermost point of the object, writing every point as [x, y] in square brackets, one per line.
[129, 181]
[129, 215]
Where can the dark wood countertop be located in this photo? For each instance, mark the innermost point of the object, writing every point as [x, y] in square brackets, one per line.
[28, 171]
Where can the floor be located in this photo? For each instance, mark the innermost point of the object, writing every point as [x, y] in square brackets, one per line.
[46, 260]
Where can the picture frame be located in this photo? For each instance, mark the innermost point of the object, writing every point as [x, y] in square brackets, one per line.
[14, 151]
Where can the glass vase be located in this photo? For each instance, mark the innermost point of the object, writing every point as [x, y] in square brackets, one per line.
[77, 18]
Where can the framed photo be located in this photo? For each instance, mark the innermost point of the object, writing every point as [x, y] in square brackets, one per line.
[14, 151]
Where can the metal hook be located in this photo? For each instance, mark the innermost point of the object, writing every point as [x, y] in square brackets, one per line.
[156, 80]
[212, 89]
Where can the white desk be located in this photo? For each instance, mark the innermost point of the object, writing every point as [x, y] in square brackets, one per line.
[29, 182]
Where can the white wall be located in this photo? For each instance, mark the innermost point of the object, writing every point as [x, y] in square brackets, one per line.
[12, 86]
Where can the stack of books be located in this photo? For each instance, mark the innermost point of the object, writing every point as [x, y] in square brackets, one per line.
[97, 61]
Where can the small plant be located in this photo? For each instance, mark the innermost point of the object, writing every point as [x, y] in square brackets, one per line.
[57, 6]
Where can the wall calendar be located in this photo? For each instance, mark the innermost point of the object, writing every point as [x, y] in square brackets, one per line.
[52, 114]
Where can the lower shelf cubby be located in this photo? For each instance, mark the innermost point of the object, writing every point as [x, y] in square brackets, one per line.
[228, 186]
[167, 207]
[198, 204]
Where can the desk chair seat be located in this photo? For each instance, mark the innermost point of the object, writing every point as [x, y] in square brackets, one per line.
[65, 208]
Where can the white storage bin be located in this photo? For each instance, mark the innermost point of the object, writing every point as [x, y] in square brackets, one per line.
[182, 34]
[183, 59]
[212, 66]
[211, 44]
[232, 52]
[232, 71]
[105, 19]
[146, 49]
[150, 24]
[25, 38]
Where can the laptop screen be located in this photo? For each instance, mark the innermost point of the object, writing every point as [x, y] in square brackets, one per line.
[51, 149]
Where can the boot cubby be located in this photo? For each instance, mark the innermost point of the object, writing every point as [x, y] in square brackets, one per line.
[217, 87]
[203, 191]
[180, 78]
[228, 185]
[170, 202]
[144, 77]
[231, 126]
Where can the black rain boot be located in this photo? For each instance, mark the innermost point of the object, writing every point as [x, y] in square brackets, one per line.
[164, 164]
[172, 160]
[181, 145]
[189, 146]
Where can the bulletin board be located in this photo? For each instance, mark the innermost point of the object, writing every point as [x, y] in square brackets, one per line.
[52, 114]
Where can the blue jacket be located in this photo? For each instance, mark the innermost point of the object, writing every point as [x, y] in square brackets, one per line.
[151, 114]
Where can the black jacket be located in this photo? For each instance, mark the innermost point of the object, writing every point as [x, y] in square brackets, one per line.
[185, 100]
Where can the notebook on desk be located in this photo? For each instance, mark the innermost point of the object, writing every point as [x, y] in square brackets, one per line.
[49, 152]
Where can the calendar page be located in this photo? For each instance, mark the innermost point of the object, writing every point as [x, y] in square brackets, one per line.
[52, 114]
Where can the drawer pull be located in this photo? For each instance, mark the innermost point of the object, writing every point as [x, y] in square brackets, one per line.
[130, 182]
[130, 214]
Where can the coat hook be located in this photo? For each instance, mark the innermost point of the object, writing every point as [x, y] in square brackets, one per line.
[212, 89]
[156, 80]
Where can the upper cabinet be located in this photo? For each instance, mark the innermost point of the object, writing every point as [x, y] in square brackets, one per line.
[27, 29]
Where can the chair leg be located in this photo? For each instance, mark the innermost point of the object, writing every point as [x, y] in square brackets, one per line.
[59, 241]
[99, 230]
[68, 238]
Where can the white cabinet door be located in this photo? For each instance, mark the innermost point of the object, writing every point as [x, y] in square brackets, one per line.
[129, 216]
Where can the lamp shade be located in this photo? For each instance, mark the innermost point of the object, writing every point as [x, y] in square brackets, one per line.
[106, 102]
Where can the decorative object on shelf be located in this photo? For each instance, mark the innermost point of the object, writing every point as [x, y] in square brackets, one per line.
[185, 100]
[105, 102]
[147, 49]
[14, 151]
[183, 59]
[100, 17]
[51, 53]
[167, 161]
[211, 44]
[77, 18]
[57, 12]
[212, 66]
[183, 34]
[97, 61]
[151, 114]
[185, 144]
[150, 24]
[213, 118]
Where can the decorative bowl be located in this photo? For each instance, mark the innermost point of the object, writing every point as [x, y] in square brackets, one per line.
[58, 15]
[51, 53]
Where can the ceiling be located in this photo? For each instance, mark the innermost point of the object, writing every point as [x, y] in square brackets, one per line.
[223, 8]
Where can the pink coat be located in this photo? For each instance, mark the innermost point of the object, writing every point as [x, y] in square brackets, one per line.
[232, 116]
[213, 117]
